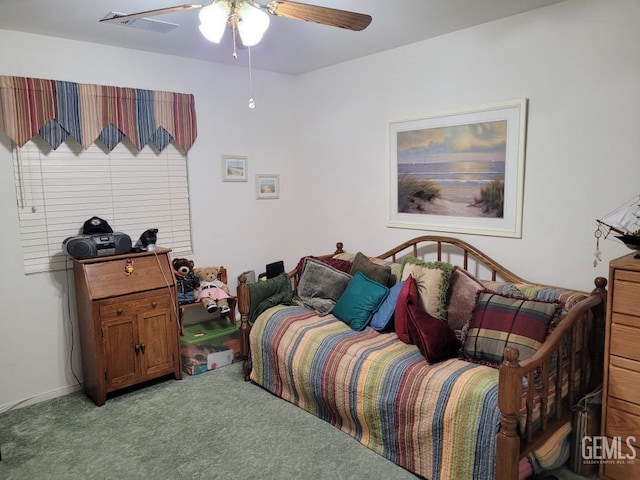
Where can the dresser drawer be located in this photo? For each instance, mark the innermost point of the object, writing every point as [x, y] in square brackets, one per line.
[109, 278]
[623, 382]
[626, 292]
[623, 420]
[629, 320]
[124, 309]
[623, 469]
[625, 341]
[627, 276]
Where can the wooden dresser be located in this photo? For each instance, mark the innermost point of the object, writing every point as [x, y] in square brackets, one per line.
[127, 320]
[621, 392]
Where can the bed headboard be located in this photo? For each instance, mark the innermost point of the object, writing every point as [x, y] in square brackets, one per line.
[455, 252]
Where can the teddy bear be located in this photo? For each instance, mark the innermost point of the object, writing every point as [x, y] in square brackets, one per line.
[212, 292]
[186, 280]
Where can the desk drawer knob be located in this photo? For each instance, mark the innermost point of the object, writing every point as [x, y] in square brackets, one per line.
[119, 311]
[154, 304]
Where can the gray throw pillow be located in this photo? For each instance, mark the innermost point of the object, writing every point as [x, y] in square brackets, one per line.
[321, 286]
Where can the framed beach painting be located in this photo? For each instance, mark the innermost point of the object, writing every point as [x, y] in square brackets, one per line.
[234, 168]
[267, 186]
[460, 171]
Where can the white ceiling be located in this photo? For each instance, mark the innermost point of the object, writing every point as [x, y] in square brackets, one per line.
[289, 46]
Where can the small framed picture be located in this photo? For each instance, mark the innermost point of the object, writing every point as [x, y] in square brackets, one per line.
[267, 186]
[235, 168]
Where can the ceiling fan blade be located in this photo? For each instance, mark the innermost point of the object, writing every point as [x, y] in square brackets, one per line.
[118, 18]
[323, 15]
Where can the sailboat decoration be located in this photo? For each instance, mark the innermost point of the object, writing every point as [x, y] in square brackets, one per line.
[625, 221]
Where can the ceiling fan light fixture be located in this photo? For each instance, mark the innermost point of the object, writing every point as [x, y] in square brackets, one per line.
[250, 20]
[213, 20]
[252, 24]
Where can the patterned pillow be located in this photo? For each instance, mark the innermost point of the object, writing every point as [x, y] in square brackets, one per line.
[432, 282]
[461, 297]
[500, 321]
[342, 265]
[538, 292]
[377, 273]
[321, 286]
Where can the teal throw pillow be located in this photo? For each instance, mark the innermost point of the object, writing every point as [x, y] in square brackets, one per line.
[360, 300]
[382, 318]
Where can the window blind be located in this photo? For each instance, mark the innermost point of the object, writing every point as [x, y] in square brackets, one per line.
[58, 190]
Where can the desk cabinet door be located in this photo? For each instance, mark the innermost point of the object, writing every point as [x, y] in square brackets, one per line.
[157, 334]
[120, 340]
[139, 339]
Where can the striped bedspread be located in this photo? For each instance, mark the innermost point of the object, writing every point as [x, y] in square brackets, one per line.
[438, 421]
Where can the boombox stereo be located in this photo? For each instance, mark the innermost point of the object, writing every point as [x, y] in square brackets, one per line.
[97, 245]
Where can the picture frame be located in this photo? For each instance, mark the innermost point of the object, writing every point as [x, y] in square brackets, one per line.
[235, 168]
[267, 186]
[460, 171]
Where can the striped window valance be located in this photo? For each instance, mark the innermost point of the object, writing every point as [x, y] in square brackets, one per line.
[56, 110]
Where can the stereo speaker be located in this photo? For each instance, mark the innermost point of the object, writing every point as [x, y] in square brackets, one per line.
[97, 245]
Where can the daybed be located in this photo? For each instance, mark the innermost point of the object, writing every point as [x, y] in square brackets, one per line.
[441, 413]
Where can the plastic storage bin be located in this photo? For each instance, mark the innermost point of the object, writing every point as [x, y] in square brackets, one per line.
[209, 345]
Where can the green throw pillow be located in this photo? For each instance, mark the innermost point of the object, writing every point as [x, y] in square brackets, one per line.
[373, 271]
[359, 302]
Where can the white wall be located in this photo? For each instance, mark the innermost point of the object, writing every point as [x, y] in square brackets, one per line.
[325, 133]
[229, 225]
[578, 64]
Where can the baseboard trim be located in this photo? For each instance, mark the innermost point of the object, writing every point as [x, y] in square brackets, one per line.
[40, 397]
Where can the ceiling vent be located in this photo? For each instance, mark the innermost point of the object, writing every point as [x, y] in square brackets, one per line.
[143, 23]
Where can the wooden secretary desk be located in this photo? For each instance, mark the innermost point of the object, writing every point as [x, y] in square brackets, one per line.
[128, 322]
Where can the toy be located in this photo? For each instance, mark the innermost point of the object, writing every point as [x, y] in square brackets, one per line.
[212, 292]
[128, 266]
[186, 280]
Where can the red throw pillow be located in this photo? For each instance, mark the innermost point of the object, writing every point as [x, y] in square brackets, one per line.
[337, 263]
[434, 338]
[408, 296]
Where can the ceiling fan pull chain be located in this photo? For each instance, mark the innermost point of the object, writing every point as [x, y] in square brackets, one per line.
[252, 104]
[234, 33]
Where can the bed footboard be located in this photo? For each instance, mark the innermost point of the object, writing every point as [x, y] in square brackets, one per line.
[244, 307]
[578, 340]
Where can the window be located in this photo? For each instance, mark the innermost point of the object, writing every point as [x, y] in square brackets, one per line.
[58, 190]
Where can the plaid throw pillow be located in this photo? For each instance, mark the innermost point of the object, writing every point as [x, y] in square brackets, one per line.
[501, 321]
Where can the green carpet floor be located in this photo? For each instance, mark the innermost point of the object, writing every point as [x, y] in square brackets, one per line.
[210, 426]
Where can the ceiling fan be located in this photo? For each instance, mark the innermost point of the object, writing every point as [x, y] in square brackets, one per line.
[249, 19]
